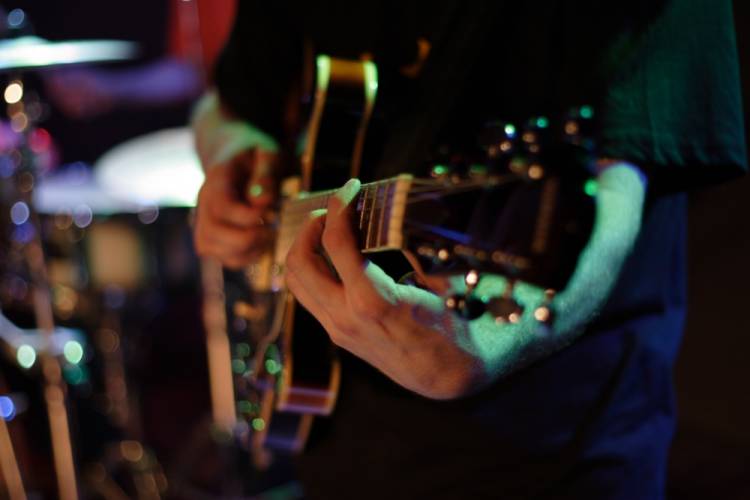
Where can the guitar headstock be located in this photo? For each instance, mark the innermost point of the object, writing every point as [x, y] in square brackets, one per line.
[525, 212]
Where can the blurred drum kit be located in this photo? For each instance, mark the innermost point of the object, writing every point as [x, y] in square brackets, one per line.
[79, 248]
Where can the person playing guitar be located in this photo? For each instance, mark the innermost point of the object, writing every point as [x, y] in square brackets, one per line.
[433, 405]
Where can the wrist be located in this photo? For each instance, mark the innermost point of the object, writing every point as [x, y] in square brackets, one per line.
[220, 137]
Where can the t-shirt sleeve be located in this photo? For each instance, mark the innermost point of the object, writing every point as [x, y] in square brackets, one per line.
[674, 103]
[259, 65]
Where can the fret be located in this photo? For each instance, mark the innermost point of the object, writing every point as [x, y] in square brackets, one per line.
[383, 207]
[361, 203]
[377, 208]
[380, 213]
[370, 202]
[390, 189]
[397, 202]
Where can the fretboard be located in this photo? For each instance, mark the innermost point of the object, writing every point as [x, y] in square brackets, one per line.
[379, 212]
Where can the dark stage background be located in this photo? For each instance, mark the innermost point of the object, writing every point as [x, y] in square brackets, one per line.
[711, 453]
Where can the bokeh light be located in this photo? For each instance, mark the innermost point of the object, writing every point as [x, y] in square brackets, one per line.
[26, 356]
[73, 351]
[13, 92]
[19, 213]
[7, 408]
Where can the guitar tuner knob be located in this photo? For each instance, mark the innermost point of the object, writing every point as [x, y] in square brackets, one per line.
[471, 279]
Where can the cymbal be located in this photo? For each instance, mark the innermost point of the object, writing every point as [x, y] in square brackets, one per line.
[78, 189]
[160, 168]
[29, 52]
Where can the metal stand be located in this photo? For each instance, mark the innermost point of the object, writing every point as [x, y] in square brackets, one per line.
[9, 465]
[55, 387]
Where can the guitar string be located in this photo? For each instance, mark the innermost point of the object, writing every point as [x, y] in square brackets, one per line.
[298, 212]
[294, 215]
[299, 207]
[320, 198]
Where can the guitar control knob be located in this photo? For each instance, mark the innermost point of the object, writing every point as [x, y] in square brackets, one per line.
[544, 313]
[466, 307]
[444, 256]
[505, 309]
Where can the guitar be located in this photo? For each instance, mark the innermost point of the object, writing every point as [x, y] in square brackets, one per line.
[524, 213]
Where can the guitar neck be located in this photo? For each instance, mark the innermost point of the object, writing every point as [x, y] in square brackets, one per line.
[379, 214]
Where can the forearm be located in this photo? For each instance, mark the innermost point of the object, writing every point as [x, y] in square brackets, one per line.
[503, 349]
[409, 333]
[220, 137]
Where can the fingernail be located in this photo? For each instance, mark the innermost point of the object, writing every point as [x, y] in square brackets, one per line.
[347, 192]
[320, 212]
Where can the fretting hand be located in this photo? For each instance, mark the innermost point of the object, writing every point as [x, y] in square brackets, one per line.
[410, 335]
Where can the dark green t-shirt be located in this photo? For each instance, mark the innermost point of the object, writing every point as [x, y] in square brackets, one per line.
[595, 420]
[662, 75]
